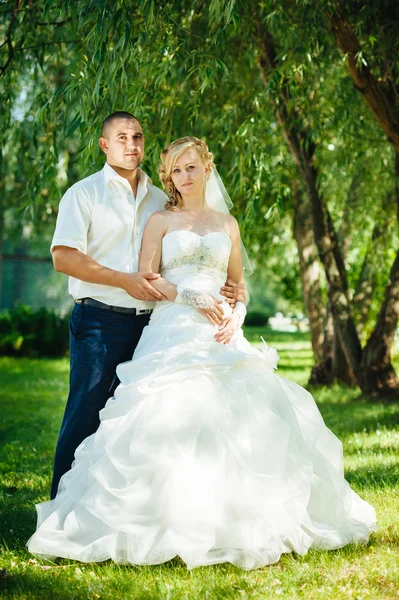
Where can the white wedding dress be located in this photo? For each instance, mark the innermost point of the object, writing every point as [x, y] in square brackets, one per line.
[204, 452]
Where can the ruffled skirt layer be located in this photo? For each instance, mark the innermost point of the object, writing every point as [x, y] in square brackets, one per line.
[206, 454]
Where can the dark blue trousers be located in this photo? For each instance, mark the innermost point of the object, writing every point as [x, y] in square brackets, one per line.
[99, 340]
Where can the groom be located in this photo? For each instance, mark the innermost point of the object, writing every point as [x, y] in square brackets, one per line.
[97, 241]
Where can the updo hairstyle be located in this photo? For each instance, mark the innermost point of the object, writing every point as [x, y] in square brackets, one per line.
[169, 157]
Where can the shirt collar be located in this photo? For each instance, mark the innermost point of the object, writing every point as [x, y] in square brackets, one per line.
[110, 174]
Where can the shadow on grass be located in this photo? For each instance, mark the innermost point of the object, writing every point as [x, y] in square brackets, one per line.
[359, 416]
[295, 368]
[61, 580]
[47, 587]
[68, 579]
[18, 520]
[381, 477]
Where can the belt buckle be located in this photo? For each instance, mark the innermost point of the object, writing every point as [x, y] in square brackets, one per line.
[142, 311]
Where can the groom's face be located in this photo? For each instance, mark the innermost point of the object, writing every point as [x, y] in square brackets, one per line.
[123, 143]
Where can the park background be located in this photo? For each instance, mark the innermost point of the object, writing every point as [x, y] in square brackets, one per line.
[298, 101]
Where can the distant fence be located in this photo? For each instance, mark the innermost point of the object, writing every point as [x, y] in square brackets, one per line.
[33, 281]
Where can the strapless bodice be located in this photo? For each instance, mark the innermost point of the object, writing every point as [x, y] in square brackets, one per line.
[199, 261]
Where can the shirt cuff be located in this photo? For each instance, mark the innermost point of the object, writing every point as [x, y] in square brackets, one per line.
[78, 245]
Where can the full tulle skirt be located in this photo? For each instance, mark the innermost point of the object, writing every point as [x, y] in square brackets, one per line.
[203, 453]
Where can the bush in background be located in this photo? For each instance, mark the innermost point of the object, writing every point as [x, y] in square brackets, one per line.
[256, 318]
[35, 333]
[25, 332]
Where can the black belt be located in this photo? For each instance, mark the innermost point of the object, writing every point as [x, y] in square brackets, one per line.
[118, 309]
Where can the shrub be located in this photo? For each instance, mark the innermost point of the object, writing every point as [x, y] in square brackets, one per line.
[256, 318]
[25, 332]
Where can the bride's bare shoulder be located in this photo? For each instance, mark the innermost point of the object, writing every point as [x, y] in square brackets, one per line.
[157, 223]
[228, 221]
[160, 216]
[162, 221]
[160, 213]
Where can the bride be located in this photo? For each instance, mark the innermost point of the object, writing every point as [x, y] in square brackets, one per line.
[204, 452]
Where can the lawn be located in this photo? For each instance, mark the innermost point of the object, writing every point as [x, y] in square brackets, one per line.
[33, 395]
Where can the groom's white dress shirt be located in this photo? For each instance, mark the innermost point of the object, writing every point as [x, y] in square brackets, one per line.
[101, 217]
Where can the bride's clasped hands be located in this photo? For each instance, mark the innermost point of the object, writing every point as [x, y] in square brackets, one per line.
[214, 310]
[218, 312]
[227, 328]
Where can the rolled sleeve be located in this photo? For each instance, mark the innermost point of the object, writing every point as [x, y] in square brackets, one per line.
[73, 220]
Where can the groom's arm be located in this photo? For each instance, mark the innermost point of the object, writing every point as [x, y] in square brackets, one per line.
[69, 249]
[75, 263]
[230, 291]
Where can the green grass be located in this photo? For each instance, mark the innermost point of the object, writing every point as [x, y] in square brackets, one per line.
[33, 396]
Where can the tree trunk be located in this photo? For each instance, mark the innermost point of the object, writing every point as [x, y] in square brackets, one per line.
[1, 229]
[364, 291]
[1, 251]
[334, 364]
[310, 273]
[322, 372]
[378, 373]
[302, 149]
[346, 229]
[366, 283]
[341, 369]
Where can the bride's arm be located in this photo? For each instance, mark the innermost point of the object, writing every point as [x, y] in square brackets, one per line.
[234, 269]
[151, 252]
[235, 272]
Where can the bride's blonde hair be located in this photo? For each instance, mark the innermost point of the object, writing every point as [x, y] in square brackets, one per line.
[169, 157]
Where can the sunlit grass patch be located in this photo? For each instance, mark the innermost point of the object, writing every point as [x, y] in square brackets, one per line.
[294, 349]
[33, 394]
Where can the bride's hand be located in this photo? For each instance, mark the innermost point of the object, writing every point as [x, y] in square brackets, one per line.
[227, 328]
[206, 304]
[215, 313]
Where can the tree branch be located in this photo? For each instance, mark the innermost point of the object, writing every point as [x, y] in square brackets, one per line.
[44, 44]
[8, 40]
[56, 23]
[378, 95]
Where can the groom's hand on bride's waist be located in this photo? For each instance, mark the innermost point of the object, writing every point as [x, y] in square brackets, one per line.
[138, 285]
[230, 291]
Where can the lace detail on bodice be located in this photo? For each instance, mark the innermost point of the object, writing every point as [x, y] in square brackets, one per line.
[200, 255]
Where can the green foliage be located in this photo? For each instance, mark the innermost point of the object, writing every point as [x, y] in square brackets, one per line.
[24, 332]
[256, 318]
[189, 67]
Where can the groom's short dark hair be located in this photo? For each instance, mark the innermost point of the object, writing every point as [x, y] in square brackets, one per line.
[115, 116]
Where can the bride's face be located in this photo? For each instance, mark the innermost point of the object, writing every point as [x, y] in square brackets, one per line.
[188, 174]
